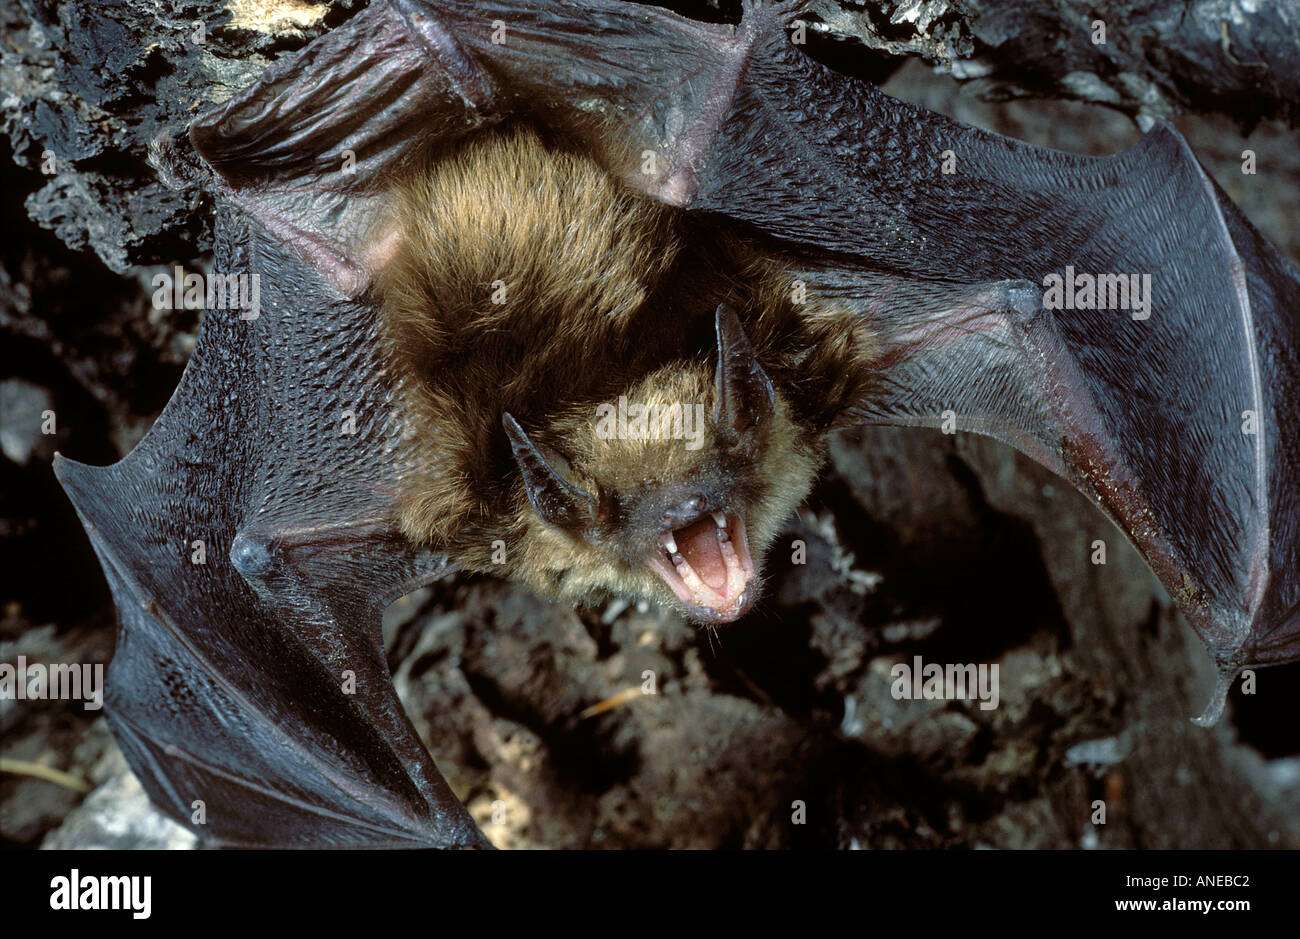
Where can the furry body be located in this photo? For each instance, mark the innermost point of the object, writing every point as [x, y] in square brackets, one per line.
[526, 280]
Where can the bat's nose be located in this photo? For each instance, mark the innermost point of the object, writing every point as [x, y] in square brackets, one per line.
[688, 510]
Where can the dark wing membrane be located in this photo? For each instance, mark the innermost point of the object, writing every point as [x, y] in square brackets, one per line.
[310, 149]
[1273, 287]
[1176, 424]
[250, 692]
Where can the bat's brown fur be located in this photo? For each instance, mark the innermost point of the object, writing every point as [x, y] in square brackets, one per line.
[602, 293]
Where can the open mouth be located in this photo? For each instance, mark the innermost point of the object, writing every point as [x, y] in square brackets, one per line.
[707, 566]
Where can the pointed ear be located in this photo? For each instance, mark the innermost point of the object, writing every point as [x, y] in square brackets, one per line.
[745, 398]
[554, 498]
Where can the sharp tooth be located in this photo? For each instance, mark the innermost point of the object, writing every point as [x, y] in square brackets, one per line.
[729, 555]
[669, 543]
[720, 519]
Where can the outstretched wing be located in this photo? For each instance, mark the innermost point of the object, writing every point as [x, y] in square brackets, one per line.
[250, 547]
[1172, 417]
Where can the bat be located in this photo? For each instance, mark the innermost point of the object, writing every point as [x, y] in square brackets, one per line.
[573, 293]
[649, 472]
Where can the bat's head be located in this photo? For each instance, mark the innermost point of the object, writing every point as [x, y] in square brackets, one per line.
[671, 492]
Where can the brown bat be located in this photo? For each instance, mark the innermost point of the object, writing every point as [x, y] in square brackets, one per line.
[601, 311]
[573, 293]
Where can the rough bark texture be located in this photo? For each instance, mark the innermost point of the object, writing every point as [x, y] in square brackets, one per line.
[953, 549]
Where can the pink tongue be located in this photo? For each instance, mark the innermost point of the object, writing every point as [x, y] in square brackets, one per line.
[698, 544]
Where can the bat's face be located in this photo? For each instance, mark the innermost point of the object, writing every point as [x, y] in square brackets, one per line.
[673, 492]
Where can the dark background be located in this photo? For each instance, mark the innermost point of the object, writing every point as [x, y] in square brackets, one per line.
[954, 549]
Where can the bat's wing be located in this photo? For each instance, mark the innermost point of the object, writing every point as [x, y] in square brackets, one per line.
[249, 539]
[1178, 425]
[250, 692]
[1176, 420]
[309, 150]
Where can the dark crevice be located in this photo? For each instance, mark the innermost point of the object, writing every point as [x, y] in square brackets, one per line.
[1265, 719]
